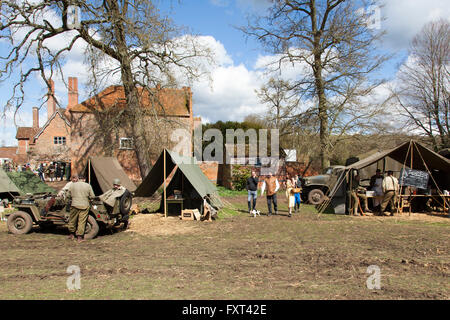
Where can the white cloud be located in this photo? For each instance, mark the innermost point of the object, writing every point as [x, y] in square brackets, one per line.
[405, 18]
[231, 95]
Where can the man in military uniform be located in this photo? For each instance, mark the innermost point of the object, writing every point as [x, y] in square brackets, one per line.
[110, 196]
[356, 193]
[60, 199]
[80, 194]
[390, 190]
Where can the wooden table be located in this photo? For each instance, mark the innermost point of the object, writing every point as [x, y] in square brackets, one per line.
[176, 201]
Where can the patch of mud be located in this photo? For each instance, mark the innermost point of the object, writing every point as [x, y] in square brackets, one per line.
[157, 225]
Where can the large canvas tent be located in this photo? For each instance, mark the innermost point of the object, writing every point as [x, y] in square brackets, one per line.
[8, 190]
[411, 155]
[188, 178]
[101, 171]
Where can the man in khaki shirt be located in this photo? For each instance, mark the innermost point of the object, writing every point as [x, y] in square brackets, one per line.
[390, 190]
[80, 193]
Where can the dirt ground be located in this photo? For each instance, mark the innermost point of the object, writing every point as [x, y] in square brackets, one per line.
[308, 256]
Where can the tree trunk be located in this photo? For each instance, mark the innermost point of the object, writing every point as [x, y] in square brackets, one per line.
[320, 89]
[135, 112]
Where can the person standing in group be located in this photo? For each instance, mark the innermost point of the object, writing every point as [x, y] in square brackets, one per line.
[376, 185]
[52, 170]
[80, 193]
[355, 196]
[57, 171]
[252, 190]
[272, 187]
[290, 185]
[390, 189]
[41, 172]
[298, 187]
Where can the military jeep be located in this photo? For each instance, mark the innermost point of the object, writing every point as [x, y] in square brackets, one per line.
[30, 212]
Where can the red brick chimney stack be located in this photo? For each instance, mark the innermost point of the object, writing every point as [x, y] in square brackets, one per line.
[35, 118]
[51, 103]
[73, 92]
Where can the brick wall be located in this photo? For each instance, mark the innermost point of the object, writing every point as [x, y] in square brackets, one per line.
[87, 140]
[210, 169]
[44, 147]
[22, 147]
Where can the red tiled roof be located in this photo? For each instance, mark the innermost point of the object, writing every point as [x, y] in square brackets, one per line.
[26, 133]
[167, 101]
[8, 152]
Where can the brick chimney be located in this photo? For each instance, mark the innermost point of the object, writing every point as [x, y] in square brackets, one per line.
[35, 118]
[73, 92]
[51, 103]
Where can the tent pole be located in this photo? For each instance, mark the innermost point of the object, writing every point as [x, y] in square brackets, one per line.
[89, 171]
[165, 198]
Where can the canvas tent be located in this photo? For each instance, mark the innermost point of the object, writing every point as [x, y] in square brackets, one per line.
[188, 178]
[8, 190]
[411, 155]
[101, 171]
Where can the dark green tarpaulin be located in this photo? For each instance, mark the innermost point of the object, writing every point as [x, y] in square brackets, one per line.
[101, 173]
[27, 182]
[8, 189]
[188, 169]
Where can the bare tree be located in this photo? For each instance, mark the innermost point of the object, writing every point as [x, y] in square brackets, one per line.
[281, 103]
[334, 43]
[423, 89]
[130, 37]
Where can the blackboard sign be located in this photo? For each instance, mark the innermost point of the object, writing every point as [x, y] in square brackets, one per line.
[414, 178]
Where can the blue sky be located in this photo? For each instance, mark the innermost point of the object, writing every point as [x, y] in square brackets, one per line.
[231, 95]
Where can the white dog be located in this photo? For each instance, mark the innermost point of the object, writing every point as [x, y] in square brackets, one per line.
[255, 212]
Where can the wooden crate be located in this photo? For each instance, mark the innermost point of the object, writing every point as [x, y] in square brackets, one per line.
[187, 214]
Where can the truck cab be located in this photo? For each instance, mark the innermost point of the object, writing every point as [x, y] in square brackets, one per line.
[315, 188]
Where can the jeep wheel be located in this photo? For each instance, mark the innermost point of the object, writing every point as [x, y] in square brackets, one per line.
[91, 229]
[19, 223]
[316, 196]
[125, 203]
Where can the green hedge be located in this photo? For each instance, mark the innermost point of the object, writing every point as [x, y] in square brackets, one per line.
[240, 176]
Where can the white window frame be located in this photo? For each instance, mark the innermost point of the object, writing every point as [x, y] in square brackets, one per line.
[59, 140]
[129, 144]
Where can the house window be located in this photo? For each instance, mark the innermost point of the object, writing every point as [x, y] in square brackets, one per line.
[59, 140]
[126, 144]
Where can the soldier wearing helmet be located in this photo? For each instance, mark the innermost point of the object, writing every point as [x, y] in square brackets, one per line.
[110, 196]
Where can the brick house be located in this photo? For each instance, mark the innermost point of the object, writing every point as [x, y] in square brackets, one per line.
[49, 142]
[97, 127]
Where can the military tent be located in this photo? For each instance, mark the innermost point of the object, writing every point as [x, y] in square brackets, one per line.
[187, 178]
[8, 189]
[101, 171]
[411, 155]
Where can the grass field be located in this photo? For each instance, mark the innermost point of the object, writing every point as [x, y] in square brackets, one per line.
[309, 256]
